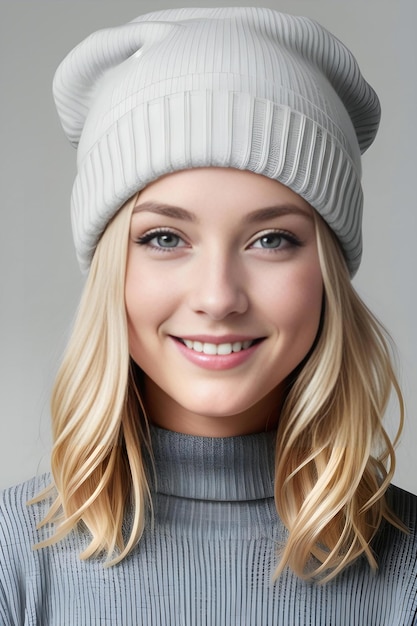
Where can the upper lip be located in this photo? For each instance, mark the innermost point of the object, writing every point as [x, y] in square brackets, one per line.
[217, 340]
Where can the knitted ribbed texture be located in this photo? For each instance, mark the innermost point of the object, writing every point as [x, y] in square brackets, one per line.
[248, 88]
[208, 561]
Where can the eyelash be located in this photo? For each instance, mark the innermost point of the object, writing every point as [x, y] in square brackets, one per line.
[145, 240]
[290, 238]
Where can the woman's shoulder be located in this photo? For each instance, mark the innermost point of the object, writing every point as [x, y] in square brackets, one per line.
[404, 505]
[13, 497]
[30, 487]
[18, 520]
[18, 534]
[395, 544]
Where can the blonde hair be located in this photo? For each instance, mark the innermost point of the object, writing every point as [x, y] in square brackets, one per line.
[334, 458]
[332, 450]
[96, 459]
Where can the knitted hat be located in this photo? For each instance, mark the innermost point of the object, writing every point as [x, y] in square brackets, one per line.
[247, 88]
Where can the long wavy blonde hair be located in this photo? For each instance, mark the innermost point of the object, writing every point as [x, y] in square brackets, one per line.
[334, 458]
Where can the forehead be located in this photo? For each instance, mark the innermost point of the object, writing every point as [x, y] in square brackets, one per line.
[198, 189]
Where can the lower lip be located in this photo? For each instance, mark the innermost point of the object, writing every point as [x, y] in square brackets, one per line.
[216, 361]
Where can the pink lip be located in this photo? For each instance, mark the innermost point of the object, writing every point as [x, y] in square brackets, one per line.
[218, 339]
[215, 361]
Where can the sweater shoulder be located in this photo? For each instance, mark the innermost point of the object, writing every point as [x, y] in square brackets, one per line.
[18, 518]
[18, 535]
[398, 546]
[404, 505]
[28, 488]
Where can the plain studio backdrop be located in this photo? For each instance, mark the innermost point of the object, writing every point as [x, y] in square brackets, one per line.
[40, 282]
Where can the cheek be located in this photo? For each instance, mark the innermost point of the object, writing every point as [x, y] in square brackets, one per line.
[310, 308]
[298, 301]
[137, 306]
[132, 290]
[310, 292]
[149, 300]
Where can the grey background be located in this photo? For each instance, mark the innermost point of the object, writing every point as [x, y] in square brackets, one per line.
[40, 282]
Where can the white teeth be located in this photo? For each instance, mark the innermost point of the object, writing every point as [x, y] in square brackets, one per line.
[214, 348]
[224, 348]
[209, 348]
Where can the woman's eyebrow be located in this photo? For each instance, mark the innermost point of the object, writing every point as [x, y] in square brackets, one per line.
[165, 209]
[258, 215]
[267, 213]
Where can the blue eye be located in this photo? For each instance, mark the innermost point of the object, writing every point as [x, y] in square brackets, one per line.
[270, 241]
[276, 240]
[167, 240]
[162, 240]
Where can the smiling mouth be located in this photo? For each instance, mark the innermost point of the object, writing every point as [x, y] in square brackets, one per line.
[221, 349]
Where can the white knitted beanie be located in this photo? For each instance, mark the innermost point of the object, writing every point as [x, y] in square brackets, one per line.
[247, 88]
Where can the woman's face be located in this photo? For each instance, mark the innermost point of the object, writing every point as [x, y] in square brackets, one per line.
[223, 297]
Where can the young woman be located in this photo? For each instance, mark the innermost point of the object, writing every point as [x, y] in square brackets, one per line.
[219, 454]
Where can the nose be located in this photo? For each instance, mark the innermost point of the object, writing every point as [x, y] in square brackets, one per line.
[219, 288]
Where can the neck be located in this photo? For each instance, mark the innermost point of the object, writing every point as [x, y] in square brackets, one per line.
[212, 468]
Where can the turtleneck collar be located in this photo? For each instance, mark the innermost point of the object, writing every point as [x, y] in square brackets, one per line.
[217, 469]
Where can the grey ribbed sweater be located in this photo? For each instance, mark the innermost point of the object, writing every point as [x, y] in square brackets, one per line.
[208, 559]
